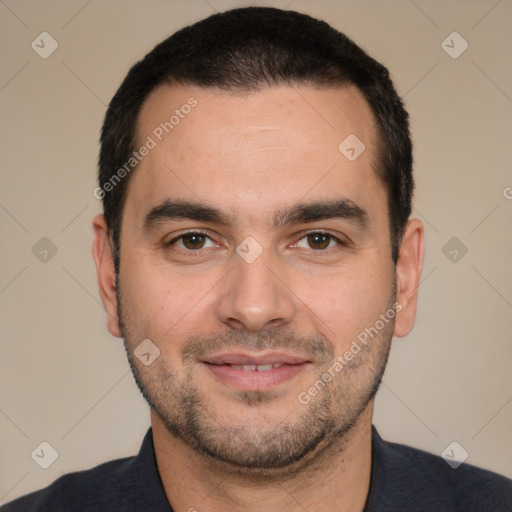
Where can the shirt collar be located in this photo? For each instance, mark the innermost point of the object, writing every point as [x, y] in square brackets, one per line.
[144, 468]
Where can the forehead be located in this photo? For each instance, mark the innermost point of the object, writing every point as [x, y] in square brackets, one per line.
[255, 149]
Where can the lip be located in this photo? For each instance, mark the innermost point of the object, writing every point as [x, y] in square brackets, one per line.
[254, 358]
[253, 379]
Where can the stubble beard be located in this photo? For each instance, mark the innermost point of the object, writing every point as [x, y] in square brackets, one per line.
[263, 451]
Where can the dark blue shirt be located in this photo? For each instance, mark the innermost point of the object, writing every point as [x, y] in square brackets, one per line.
[402, 479]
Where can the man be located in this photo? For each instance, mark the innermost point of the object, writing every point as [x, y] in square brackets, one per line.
[257, 256]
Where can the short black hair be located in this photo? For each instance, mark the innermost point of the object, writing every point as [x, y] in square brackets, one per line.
[250, 49]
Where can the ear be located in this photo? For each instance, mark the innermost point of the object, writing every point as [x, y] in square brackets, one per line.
[408, 272]
[102, 254]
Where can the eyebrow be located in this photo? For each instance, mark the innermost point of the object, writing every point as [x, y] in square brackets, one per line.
[178, 209]
[321, 210]
[344, 209]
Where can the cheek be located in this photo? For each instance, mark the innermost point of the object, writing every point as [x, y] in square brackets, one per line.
[161, 305]
[345, 303]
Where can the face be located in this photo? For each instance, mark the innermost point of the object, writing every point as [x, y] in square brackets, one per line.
[255, 255]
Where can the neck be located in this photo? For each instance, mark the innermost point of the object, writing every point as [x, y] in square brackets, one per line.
[337, 478]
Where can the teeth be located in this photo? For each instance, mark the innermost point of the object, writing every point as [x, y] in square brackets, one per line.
[264, 367]
[256, 367]
[244, 367]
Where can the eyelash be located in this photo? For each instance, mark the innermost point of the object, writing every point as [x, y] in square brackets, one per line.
[173, 242]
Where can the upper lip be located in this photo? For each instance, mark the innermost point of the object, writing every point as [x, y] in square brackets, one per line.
[248, 358]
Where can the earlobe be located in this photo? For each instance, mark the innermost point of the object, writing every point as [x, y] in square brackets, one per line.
[408, 275]
[106, 275]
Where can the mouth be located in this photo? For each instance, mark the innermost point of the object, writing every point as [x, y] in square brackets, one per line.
[254, 372]
[255, 367]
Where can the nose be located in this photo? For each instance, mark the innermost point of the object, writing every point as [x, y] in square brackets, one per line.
[255, 296]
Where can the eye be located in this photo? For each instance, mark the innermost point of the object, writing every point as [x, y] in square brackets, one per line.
[318, 241]
[193, 241]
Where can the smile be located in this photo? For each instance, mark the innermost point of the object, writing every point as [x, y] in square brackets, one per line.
[255, 367]
[254, 371]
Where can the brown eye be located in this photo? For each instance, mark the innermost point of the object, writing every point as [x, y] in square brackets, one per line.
[193, 241]
[319, 240]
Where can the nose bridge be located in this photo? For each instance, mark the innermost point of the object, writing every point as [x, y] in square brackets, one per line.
[253, 297]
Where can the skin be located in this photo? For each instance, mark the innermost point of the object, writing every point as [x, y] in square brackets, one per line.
[251, 156]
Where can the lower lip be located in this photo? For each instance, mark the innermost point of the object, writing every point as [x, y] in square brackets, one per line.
[253, 380]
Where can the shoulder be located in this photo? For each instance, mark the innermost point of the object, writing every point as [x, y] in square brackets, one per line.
[86, 489]
[124, 485]
[419, 477]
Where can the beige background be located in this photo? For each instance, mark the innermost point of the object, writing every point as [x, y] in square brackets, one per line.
[66, 381]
